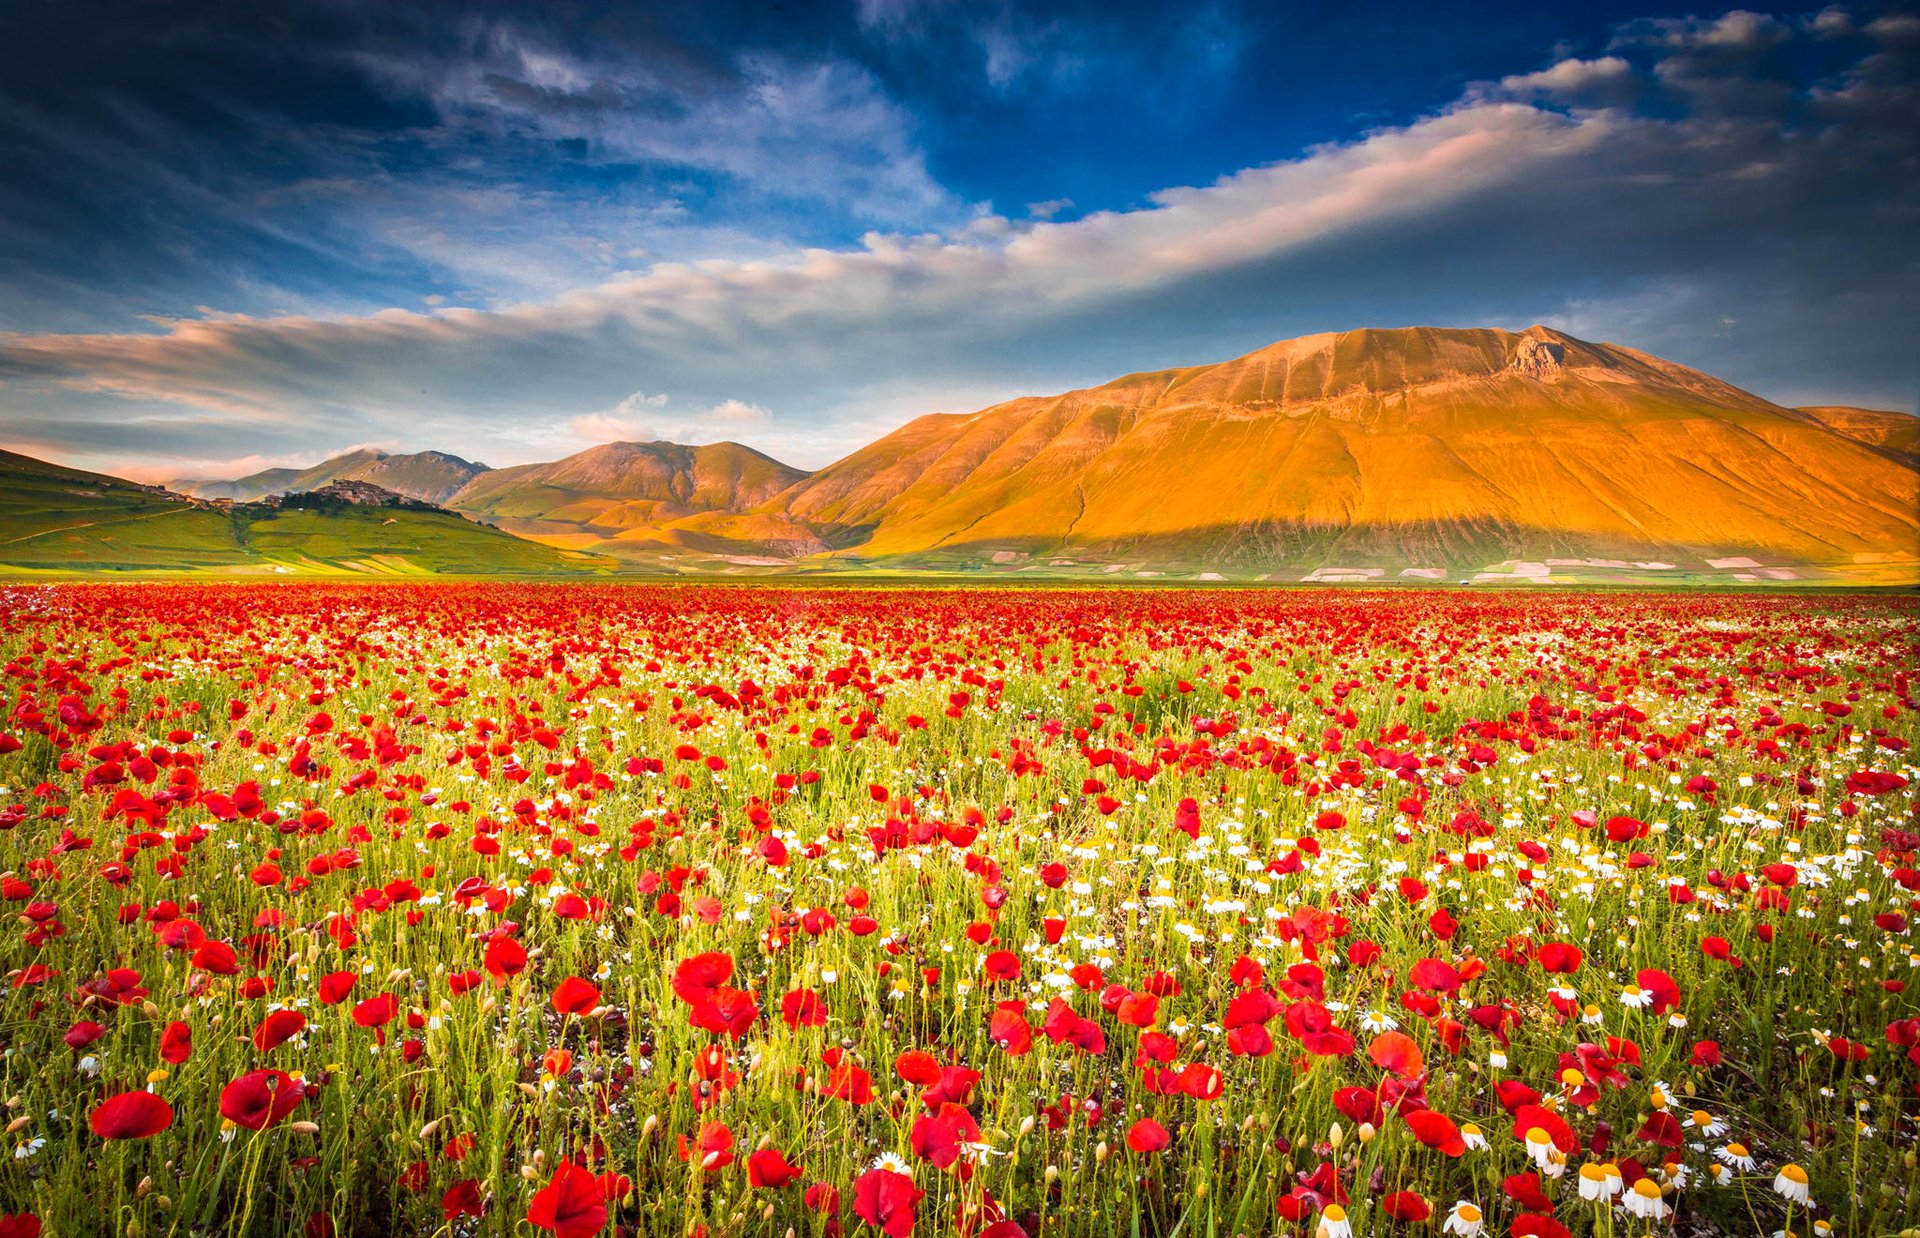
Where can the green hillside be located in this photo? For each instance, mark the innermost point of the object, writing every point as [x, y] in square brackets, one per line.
[61, 520]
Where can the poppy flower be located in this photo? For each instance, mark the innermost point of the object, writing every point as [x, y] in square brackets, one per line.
[1147, 1135]
[463, 1198]
[1407, 1206]
[260, 1098]
[768, 1169]
[278, 1027]
[130, 1115]
[1435, 976]
[711, 1148]
[575, 996]
[696, 979]
[938, 1137]
[885, 1200]
[504, 959]
[803, 1008]
[1436, 1131]
[176, 1043]
[1395, 1051]
[572, 1204]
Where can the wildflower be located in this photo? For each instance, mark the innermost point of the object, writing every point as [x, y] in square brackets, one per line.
[1599, 1182]
[1539, 1146]
[1644, 1200]
[1464, 1220]
[1791, 1184]
[1334, 1223]
[1736, 1156]
[1706, 1124]
[1635, 998]
[131, 1115]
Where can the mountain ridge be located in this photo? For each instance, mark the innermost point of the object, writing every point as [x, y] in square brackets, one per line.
[1379, 453]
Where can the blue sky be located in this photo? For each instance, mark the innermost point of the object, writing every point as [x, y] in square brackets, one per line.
[232, 237]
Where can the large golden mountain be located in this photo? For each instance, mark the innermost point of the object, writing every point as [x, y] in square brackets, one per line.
[1411, 452]
[1407, 454]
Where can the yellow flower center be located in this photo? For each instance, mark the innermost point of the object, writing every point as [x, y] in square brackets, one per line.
[1794, 1174]
[1645, 1189]
[1335, 1213]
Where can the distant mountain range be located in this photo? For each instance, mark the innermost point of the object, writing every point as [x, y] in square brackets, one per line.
[1375, 455]
[431, 476]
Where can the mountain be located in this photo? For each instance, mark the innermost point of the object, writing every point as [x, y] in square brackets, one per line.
[1896, 434]
[1410, 454]
[645, 499]
[56, 519]
[1417, 452]
[430, 476]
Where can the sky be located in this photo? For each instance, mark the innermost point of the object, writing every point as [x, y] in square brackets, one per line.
[241, 235]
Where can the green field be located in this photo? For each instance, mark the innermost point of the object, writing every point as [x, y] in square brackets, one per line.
[60, 520]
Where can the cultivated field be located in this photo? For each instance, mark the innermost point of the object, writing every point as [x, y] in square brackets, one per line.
[591, 909]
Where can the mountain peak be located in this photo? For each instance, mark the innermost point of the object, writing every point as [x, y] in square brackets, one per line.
[1537, 354]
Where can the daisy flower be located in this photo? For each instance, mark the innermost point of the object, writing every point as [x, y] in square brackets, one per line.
[1791, 1184]
[1736, 1155]
[1635, 998]
[893, 1163]
[1644, 1200]
[1334, 1223]
[1704, 1122]
[1465, 1220]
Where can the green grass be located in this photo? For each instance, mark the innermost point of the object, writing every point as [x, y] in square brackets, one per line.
[58, 521]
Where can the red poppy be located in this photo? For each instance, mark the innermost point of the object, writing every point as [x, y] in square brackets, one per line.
[260, 1098]
[504, 959]
[885, 1200]
[1395, 1051]
[176, 1043]
[463, 1198]
[770, 1170]
[278, 1027]
[335, 986]
[572, 1204]
[575, 996]
[130, 1115]
[1147, 1135]
[1435, 1130]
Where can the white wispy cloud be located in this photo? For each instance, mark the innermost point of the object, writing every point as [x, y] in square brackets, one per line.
[1550, 195]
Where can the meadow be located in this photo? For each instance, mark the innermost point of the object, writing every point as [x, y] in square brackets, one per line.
[345, 909]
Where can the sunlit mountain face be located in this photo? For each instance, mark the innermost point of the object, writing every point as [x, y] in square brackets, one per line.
[236, 238]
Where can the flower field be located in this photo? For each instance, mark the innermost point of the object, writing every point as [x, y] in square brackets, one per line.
[656, 910]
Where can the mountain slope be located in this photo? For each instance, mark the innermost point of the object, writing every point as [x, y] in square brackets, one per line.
[430, 476]
[1419, 449]
[643, 498]
[1895, 433]
[58, 519]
